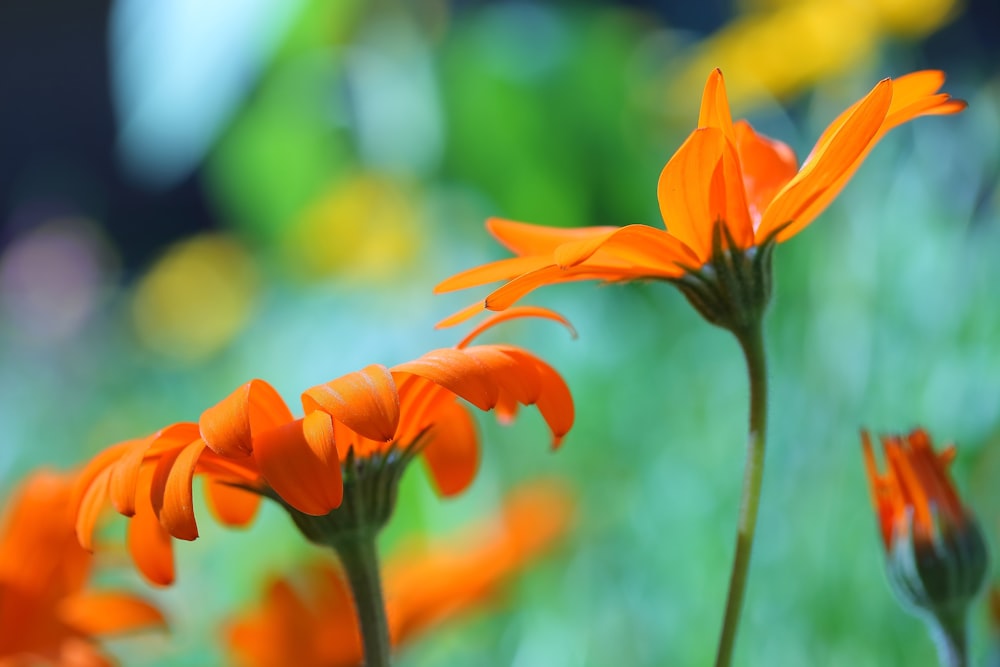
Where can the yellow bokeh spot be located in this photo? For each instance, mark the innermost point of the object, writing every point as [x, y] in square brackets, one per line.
[195, 298]
[363, 228]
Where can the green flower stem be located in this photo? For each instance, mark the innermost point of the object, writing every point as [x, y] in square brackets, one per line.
[359, 556]
[752, 341]
[951, 638]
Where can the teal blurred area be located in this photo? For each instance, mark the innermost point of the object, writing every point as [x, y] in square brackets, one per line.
[194, 196]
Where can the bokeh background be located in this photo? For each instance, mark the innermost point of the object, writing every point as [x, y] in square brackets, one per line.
[194, 194]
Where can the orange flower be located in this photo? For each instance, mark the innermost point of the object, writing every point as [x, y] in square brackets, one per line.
[250, 444]
[46, 615]
[724, 175]
[935, 553]
[423, 587]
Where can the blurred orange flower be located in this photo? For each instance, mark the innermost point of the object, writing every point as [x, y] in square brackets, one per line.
[724, 175]
[424, 586]
[250, 444]
[46, 615]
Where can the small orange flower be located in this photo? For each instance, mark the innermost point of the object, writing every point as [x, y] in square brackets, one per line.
[250, 444]
[46, 615]
[424, 587]
[725, 174]
[935, 554]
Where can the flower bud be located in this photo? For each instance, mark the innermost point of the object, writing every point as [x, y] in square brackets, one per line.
[936, 557]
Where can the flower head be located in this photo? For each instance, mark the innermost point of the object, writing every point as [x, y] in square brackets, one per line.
[727, 190]
[935, 554]
[425, 586]
[47, 615]
[360, 426]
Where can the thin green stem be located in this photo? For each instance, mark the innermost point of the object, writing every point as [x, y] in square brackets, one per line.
[951, 638]
[751, 340]
[359, 557]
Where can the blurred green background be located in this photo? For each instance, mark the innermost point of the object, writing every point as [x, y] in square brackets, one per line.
[195, 194]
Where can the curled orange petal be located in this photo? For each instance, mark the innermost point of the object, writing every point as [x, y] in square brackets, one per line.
[84, 479]
[171, 492]
[125, 471]
[300, 462]
[89, 508]
[229, 426]
[554, 400]
[366, 401]
[456, 371]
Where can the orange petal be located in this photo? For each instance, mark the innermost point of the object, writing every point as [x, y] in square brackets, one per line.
[522, 238]
[95, 467]
[150, 546]
[125, 472]
[452, 453]
[555, 402]
[107, 612]
[637, 245]
[456, 371]
[300, 462]
[701, 185]
[125, 475]
[507, 295]
[420, 401]
[171, 493]
[461, 316]
[511, 314]
[503, 269]
[715, 106]
[874, 482]
[512, 375]
[828, 168]
[89, 509]
[366, 401]
[767, 164]
[916, 94]
[231, 505]
[229, 426]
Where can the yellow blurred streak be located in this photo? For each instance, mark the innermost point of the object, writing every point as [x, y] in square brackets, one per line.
[908, 18]
[366, 228]
[195, 298]
[780, 47]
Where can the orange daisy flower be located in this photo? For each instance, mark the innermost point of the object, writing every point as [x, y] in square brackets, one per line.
[367, 423]
[935, 552]
[425, 586]
[47, 617]
[727, 188]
